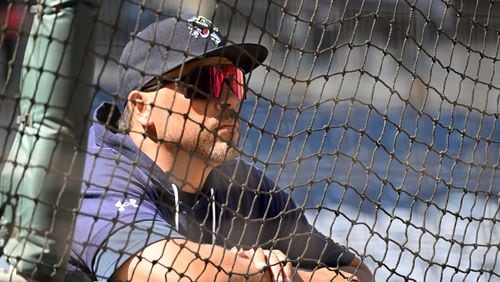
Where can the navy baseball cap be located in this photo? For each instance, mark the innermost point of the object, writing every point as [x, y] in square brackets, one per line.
[167, 44]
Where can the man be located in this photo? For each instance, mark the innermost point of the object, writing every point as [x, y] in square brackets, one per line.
[165, 197]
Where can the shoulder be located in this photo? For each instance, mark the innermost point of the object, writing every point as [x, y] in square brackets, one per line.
[112, 160]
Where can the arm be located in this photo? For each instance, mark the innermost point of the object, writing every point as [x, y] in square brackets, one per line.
[171, 260]
[305, 245]
[280, 267]
[179, 258]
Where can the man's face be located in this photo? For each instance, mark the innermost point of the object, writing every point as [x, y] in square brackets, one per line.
[208, 127]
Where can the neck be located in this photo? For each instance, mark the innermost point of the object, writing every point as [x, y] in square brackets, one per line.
[188, 171]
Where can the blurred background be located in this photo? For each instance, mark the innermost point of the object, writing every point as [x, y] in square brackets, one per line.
[379, 117]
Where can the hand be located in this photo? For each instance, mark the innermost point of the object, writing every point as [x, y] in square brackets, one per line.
[273, 260]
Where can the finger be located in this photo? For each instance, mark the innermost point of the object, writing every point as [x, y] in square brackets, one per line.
[234, 250]
[288, 270]
[249, 253]
[259, 259]
[244, 254]
[276, 267]
[286, 266]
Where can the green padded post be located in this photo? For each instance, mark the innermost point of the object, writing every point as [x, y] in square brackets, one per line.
[41, 180]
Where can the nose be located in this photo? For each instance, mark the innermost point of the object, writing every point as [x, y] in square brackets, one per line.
[228, 102]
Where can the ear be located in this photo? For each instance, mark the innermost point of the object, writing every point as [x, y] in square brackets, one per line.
[141, 108]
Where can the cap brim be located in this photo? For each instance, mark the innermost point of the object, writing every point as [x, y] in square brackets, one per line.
[246, 56]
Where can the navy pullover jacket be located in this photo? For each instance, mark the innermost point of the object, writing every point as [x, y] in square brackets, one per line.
[129, 203]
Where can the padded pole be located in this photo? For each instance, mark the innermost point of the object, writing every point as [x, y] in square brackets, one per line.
[41, 180]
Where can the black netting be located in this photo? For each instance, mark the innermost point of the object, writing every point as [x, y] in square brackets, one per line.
[373, 121]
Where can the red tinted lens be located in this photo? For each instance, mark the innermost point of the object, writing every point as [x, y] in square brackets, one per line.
[208, 81]
[236, 79]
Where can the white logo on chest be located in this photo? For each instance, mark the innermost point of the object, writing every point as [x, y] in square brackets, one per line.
[121, 206]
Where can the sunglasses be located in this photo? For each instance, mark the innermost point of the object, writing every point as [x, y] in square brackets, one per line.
[206, 82]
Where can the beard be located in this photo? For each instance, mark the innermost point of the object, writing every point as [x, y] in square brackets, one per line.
[217, 151]
[212, 148]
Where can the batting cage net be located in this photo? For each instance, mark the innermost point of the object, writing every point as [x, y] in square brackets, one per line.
[367, 139]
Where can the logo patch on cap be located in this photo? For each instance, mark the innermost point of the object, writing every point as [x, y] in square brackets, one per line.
[202, 27]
